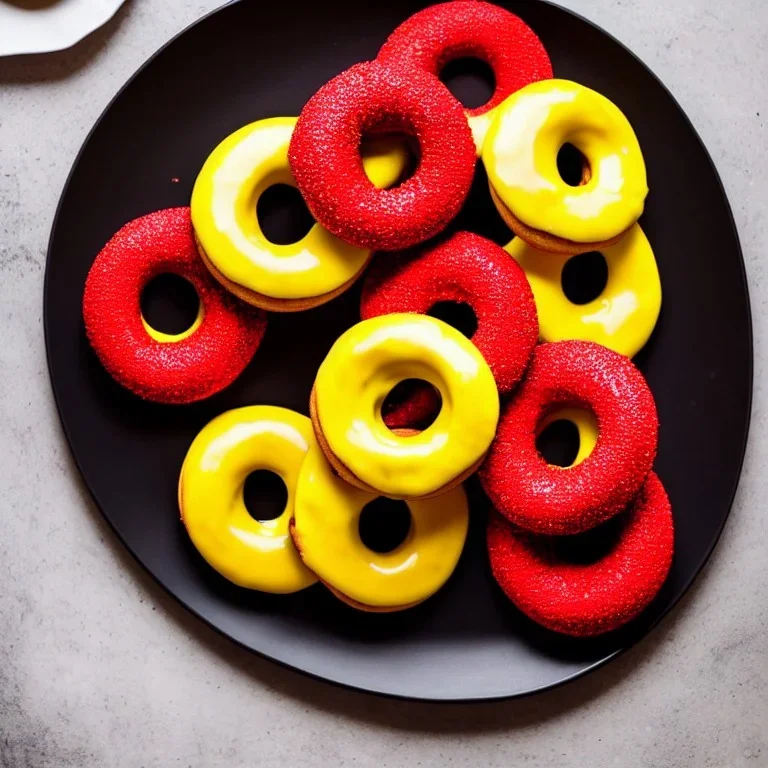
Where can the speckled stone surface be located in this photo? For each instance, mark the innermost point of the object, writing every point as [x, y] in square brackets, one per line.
[98, 668]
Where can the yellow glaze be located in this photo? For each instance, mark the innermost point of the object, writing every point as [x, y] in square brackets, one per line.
[223, 207]
[361, 369]
[621, 318]
[327, 515]
[520, 157]
[479, 125]
[585, 422]
[170, 338]
[252, 554]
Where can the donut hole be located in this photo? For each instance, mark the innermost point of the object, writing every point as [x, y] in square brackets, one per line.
[384, 524]
[470, 80]
[573, 166]
[169, 304]
[265, 495]
[412, 404]
[456, 314]
[586, 548]
[374, 144]
[283, 215]
[584, 277]
[558, 443]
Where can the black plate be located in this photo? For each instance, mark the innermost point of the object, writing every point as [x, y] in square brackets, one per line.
[238, 65]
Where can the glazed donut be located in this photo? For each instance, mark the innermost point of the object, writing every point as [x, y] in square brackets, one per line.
[469, 269]
[520, 156]
[363, 366]
[433, 37]
[280, 278]
[324, 154]
[581, 599]
[545, 498]
[326, 533]
[165, 368]
[622, 318]
[251, 554]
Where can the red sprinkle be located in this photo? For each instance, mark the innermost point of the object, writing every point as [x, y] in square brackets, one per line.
[548, 499]
[173, 372]
[468, 269]
[325, 156]
[442, 33]
[586, 599]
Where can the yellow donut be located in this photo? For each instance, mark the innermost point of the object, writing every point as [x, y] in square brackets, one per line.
[277, 277]
[364, 365]
[326, 531]
[586, 424]
[251, 554]
[520, 156]
[622, 318]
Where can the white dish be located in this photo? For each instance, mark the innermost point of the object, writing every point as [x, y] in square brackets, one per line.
[41, 26]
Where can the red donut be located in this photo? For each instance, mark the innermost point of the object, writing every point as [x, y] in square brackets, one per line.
[192, 368]
[468, 269]
[585, 599]
[545, 498]
[431, 38]
[324, 154]
[412, 404]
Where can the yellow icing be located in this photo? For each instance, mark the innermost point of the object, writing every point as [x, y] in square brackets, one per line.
[363, 366]
[223, 207]
[479, 125]
[170, 338]
[621, 318]
[520, 157]
[252, 554]
[327, 514]
[585, 422]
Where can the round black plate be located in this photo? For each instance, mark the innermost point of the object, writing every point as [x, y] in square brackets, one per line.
[468, 642]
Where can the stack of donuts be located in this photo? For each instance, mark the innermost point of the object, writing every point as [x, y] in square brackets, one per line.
[482, 401]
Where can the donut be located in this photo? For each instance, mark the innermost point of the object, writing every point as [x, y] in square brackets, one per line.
[546, 498]
[180, 368]
[587, 599]
[442, 33]
[280, 278]
[324, 155]
[363, 366]
[520, 157]
[326, 532]
[252, 554]
[621, 318]
[468, 269]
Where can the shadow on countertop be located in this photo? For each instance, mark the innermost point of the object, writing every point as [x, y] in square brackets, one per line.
[24, 69]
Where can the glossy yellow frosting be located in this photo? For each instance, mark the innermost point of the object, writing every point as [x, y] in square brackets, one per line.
[520, 156]
[585, 423]
[366, 363]
[621, 318]
[327, 514]
[223, 207]
[252, 554]
[479, 125]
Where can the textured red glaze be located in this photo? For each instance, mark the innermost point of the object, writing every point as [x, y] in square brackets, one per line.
[588, 599]
[172, 372]
[413, 404]
[325, 156]
[544, 498]
[442, 33]
[469, 269]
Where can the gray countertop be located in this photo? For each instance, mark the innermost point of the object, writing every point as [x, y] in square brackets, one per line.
[99, 668]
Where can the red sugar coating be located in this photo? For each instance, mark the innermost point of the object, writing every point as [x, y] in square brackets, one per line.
[325, 156]
[545, 498]
[172, 372]
[442, 33]
[468, 269]
[586, 599]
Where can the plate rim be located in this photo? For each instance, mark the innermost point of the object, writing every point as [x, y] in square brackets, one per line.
[368, 689]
